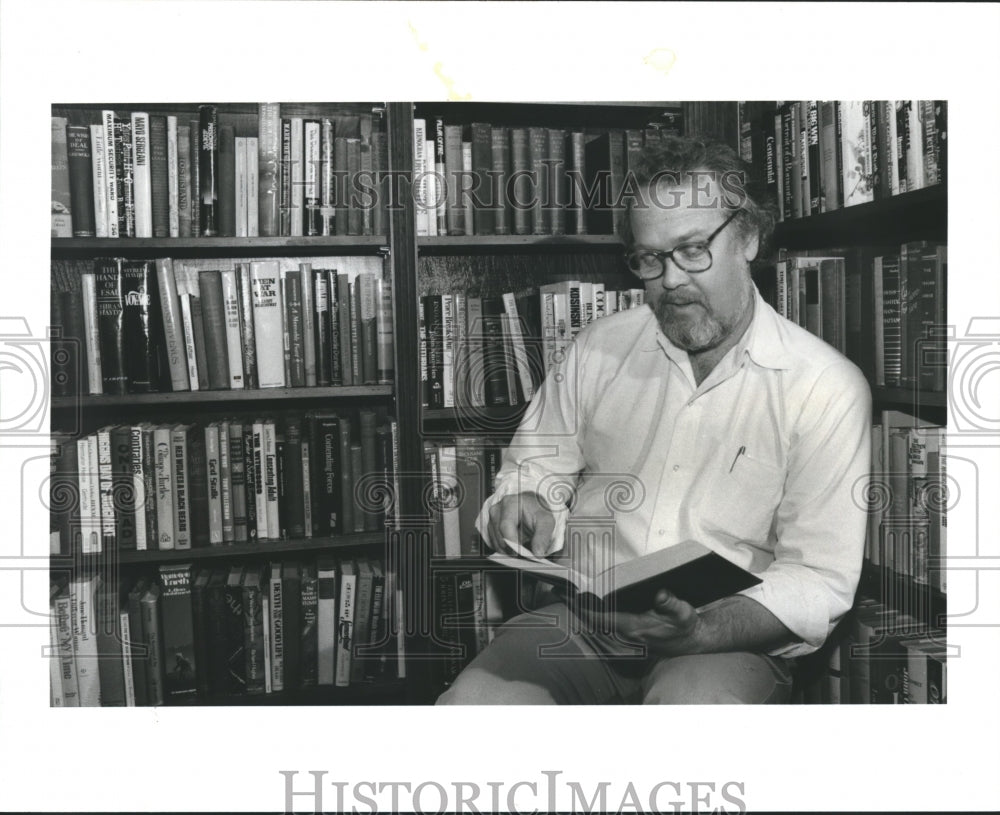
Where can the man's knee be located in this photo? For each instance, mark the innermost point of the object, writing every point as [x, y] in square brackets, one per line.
[477, 687]
[717, 679]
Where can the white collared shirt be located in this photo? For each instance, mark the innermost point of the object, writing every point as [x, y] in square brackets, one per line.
[766, 461]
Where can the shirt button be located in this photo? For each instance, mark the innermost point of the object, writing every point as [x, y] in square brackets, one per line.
[677, 467]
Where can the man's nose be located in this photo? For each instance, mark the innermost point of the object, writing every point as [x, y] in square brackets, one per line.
[673, 275]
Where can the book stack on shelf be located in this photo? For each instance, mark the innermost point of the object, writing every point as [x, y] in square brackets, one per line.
[208, 170]
[820, 156]
[188, 635]
[152, 487]
[480, 178]
[146, 326]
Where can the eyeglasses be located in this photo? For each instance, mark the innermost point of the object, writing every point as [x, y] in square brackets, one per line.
[647, 264]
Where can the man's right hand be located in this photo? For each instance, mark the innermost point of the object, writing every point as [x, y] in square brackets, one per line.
[524, 518]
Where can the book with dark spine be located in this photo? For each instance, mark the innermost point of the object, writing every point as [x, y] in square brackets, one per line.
[197, 480]
[123, 487]
[322, 339]
[253, 630]
[111, 325]
[557, 186]
[361, 652]
[123, 177]
[234, 616]
[180, 665]
[348, 473]
[213, 313]
[152, 636]
[226, 218]
[247, 330]
[110, 665]
[291, 295]
[308, 612]
[291, 619]
[208, 170]
[139, 644]
[292, 480]
[81, 178]
[194, 168]
[251, 483]
[237, 481]
[160, 204]
[269, 176]
[141, 322]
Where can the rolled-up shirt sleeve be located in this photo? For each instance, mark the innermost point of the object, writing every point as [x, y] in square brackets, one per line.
[821, 519]
[545, 456]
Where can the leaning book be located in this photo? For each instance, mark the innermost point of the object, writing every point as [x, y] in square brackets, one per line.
[690, 570]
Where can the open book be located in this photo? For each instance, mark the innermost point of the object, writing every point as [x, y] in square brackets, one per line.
[689, 570]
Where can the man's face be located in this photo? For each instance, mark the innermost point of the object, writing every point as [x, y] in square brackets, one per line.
[701, 310]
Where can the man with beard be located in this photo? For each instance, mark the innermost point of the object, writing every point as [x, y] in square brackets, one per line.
[732, 426]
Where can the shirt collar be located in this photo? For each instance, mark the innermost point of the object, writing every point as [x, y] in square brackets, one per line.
[763, 341]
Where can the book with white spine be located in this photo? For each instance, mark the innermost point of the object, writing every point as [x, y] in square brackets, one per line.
[110, 174]
[98, 159]
[173, 178]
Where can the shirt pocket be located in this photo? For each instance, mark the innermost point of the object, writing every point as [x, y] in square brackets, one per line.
[740, 503]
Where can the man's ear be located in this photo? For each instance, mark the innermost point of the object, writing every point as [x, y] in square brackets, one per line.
[751, 246]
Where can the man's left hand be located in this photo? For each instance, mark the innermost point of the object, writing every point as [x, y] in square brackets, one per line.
[664, 629]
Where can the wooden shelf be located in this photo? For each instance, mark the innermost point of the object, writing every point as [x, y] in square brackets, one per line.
[218, 247]
[905, 396]
[443, 244]
[233, 550]
[472, 419]
[181, 398]
[381, 692]
[918, 215]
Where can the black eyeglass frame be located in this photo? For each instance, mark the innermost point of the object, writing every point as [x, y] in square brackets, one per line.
[664, 256]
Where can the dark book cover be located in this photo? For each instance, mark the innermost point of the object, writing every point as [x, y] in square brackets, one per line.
[293, 501]
[345, 309]
[434, 322]
[291, 620]
[200, 350]
[285, 185]
[123, 490]
[449, 659]
[235, 642]
[111, 324]
[604, 158]
[377, 625]
[64, 494]
[253, 630]
[218, 632]
[348, 474]
[194, 151]
[813, 150]
[558, 190]
[484, 193]
[383, 466]
[380, 165]
[198, 487]
[522, 189]
[142, 326]
[139, 644]
[470, 465]
[247, 332]
[788, 142]
[308, 642]
[213, 316]
[494, 357]
[152, 634]
[367, 287]
[322, 322]
[238, 482]
[208, 170]
[81, 180]
[123, 178]
[500, 164]
[111, 664]
[538, 154]
[362, 621]
[201, 623]
[227, 181]
[530, 315]
[158, 176]
[340, 171]
[179, 664]
[291, 295]
[325, 482]
[312, 176]
[464, 620]
[252, 485]
[69, 350]
[369, 469]
[355, 219]
[333, 307]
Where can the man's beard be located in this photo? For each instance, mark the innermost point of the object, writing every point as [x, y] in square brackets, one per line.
[695, 328]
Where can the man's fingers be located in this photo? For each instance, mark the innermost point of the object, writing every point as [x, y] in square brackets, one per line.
[671, 605]
[545, 524]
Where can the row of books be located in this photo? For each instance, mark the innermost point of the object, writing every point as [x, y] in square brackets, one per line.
[495, 351]
[141, 326]
[200, 634]
[907, 521]
[149, 487]
[484, 179]
[822, 292]
[817, 156]
[132, 174]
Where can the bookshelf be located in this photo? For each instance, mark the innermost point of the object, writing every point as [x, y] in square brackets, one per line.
[366, 242]
[420, 266]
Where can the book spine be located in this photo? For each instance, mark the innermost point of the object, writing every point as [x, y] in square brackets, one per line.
[99, 180]
[253, 185]
[213, 464]
[321, 323]
[291, 624]
[152, 634]
[158, 177]
[81, 180]
[140, 318]
[270, 473]
[240, 189]
[484, 206]
[110, 177]
[308, 643]
[123, 159]
[253, 633]
[345, 624]
[194, 165]
[184, 189]
[181, 505]
[173, 328]
[123, 497]
[557, 190]
[247, 329]
[208, 170]
[268, 156]
[215, 319]
[233, 333]
[308, 308]
[268, 324]
[326, 622]
[226, 191]
[163, 469]
[63, 614]
[173, 178]
[177, 627]
[238, 482]
[291, 294]
[234, 638]
[348, 521]
[344, 323]
[297, 172]
[250, 457]
[111, 326]
[384, 321]
[453, 178]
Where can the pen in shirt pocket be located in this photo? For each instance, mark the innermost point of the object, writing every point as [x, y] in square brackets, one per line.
[740, 452]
